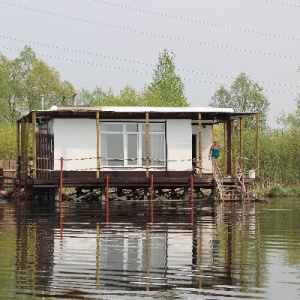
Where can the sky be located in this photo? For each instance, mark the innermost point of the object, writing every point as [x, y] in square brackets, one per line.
[114, 43]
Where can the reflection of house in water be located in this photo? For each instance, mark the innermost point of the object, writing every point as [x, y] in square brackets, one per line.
[220, 249]
[127, 256]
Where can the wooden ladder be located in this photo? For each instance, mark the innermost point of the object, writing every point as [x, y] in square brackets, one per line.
[227, 188]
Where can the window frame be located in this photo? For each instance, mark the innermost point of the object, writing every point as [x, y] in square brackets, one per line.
[141, 147]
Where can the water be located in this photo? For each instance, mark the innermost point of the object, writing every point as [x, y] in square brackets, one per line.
[222, 251]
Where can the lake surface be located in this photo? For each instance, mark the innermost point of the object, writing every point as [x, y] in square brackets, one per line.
[221, 251]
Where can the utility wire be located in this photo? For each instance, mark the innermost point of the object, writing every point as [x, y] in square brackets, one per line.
[199, 21]
[135, 61]
[154, 34]
[136, 71]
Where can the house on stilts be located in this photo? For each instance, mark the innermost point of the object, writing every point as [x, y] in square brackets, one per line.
[132, 149]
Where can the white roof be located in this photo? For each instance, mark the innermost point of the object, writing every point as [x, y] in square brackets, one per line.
[148, 109]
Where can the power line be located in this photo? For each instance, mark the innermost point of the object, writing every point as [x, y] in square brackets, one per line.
[137, 71]
[283, 3]
[135, 61]
[154, 34]
[198, 21]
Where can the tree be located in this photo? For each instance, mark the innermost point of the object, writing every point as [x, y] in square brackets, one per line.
[5, 90]
[25, 79]
[244, 95]
[166, 87]
[291, 120]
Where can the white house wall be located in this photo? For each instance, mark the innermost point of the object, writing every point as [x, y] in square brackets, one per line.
[179, 145]
[207, 136]
[75, 139]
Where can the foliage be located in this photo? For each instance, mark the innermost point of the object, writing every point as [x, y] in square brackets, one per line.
[287, 121]
[166, 88]
[23, 82]
[25, 79]
[244, 95]
[7, 141]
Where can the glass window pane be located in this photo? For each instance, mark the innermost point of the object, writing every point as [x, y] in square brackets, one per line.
[112, 152]
[111, 127]
[132, 149]
[132, 127]
[154, 127]
[156, 149]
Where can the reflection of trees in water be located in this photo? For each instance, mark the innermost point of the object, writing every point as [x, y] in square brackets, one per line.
[239, 255]
[34, 255]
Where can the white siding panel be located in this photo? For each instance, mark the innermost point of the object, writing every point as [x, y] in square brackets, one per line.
[75, 139]
[179, 145]
[207, 132]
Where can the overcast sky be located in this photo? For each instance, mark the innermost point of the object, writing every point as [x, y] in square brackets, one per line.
[115, 43]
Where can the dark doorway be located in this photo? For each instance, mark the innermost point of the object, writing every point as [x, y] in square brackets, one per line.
[194, 146]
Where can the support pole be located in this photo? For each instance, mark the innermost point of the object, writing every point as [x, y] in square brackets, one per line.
[147, 145]
[233, 149]
[18, 150]
[225, 147]
[97, 145]
[34, 164]
[229, 148]
[26, 158]
[151, 198]
[23, 147]
[257, 161]
[242, 158]
[200, 144]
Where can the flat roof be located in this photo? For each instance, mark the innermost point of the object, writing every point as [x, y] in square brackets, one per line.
[140, 109]
[208, 114]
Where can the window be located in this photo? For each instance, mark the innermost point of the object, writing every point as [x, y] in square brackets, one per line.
[124, 144]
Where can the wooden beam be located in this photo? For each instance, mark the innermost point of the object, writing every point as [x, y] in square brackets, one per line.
[26, 164]
[147, 145]
[97, 144]
[257, 160]
[200, 144]
[225, 146]
[229, 153]
[233, 148]
[22, 158]
[242, 158]
[34, 159]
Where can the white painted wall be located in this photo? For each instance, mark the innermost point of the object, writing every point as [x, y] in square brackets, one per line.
[207, 136]
[179, 145]
[74, 139]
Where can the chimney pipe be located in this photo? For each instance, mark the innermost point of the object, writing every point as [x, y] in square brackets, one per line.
[74, 99]
[43, 102]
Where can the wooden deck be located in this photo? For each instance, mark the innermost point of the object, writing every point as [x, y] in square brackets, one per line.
[122, 180]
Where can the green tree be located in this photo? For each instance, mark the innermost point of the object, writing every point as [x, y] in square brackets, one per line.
[5, 90]
[167, 87]
[98, 97]
[244, 95]
[25, 79]
[290, 120]
[8, 140]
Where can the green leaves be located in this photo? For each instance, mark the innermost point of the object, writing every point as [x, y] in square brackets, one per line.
[23, 82]
[244, 95]
[167, 88]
